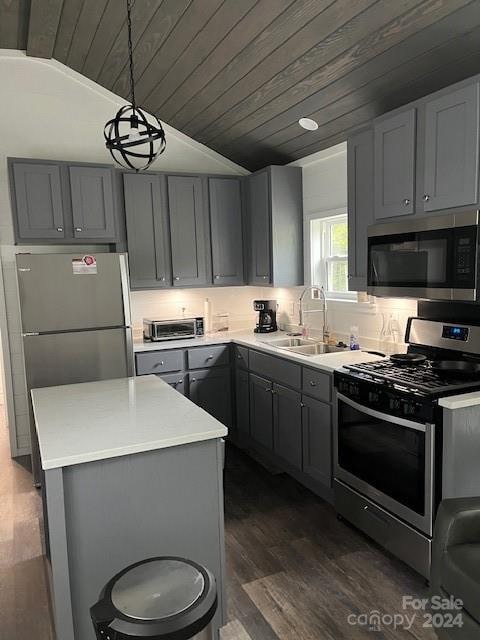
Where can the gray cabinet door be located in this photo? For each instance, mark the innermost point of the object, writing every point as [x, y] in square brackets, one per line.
[360, 206]
[242, 401]
[226, 230]
[187, 230]
[287, 425]
[211, 390]
[261, 411]
[38, 201]
[148, 239]
[451, 149]
[258, 203]
[317, 440]
[394, 140]
[92, 202]
[175, 380]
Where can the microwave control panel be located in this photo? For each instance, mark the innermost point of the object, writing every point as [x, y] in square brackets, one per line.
[465, 256]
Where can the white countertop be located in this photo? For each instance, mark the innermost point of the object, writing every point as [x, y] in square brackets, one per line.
[79, 423]
[461, 401]
[327, 361]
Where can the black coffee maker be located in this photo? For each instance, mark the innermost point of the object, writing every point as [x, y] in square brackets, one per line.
[267, 316]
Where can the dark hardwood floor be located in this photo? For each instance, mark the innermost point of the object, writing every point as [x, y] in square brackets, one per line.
[294, 571]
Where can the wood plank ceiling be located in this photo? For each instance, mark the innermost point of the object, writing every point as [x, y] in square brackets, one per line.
[238, 74]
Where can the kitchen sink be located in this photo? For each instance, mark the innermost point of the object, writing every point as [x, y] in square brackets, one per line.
[316, 349]
[288, 343]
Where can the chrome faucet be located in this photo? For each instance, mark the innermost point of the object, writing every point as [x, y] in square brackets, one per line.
[321, 296]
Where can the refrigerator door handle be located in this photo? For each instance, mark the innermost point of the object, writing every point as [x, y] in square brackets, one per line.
[125, 288]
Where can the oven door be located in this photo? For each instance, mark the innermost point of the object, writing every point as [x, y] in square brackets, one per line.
[388, 459]
[421, 260]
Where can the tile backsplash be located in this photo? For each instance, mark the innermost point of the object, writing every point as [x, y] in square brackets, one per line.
[238, 303]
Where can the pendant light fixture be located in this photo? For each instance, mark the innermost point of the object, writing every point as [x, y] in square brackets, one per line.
[134, 137]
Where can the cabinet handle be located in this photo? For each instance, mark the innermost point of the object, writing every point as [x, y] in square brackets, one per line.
[406, 202]
[273, 392]
[177, 278]
[217, 277]
[179, 382]
[313, 383]
[209, 357]
[160, 364]
[59, 229]
[239, 356]
[302, 404]
[267, 389]
[426, 197]
[193, 380]
[78, 229]
[162, 279]
[264, 277]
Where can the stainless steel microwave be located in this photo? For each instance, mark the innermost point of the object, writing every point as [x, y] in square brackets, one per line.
[436, 258]
[158, 330]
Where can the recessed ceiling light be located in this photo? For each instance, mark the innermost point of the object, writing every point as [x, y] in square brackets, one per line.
[308, 123]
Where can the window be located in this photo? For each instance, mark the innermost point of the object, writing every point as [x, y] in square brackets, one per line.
[329, 255]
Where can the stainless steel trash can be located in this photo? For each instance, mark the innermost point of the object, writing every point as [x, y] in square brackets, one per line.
[165, 598]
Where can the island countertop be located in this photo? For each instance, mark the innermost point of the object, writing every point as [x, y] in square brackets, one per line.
[79, 423]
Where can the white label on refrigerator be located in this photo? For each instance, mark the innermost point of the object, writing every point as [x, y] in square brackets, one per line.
[84, 266]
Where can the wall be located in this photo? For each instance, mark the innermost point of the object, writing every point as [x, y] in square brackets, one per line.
[49, 111]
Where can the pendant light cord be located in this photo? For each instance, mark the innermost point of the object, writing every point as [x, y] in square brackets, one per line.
[130, 52]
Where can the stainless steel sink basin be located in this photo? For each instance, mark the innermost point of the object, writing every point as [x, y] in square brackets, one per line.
[316, 349]
[286, 343]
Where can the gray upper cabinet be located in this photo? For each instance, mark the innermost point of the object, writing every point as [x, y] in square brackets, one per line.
[37, 201]
[360, 206]
[394, 143]
[147, 231]
[187, 231]
[92, 202]
[275, 226]
[451, 149]
[226, 230]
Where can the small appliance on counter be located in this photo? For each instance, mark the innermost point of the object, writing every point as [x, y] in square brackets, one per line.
[158, 330]
[267, 316]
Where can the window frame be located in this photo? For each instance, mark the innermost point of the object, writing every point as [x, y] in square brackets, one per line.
[317, 255]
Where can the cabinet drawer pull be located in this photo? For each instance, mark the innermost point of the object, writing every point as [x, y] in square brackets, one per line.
[302, 404]
[162, 279]
[209, 357]
[193, 380]
[239, 356]
[59, 229]
[159, 364]
[267, 389]
[406, 202]
[217, 277]
[426, 197]
[313, 383]
[78, 229]
[177, 278]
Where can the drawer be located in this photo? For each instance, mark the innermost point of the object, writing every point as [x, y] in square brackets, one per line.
[158, 362]
[240, 355]
[175, 380]
[317, 384]
[213, 356]
[397, 537]
[278, 369]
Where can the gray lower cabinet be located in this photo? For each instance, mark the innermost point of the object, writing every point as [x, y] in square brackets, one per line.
[451, 161]
[211, 390]
[36, 191]
[287, 425]
[394, 142]
[317, 440]
[242, 402]
[177, 381]
[93, 207]
[275, 226]
[148, 236]
[187, 230]
[261, 411]
[360, 206]
[226, 230]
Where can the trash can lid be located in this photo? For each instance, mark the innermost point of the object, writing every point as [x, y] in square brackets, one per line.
[165, 598]
[157, 589]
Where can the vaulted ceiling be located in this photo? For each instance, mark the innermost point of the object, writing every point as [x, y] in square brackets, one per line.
[238, 74]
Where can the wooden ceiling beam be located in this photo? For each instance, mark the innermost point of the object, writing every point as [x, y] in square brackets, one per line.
[43, 27]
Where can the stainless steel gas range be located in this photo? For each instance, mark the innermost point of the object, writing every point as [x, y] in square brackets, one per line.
[388, 435]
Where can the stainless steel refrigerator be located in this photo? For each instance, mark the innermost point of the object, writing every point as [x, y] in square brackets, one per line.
[76, 326]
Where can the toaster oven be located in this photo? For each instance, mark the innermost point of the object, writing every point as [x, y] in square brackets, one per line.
[158, 330]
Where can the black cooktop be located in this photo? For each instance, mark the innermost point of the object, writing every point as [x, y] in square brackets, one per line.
[413, 377]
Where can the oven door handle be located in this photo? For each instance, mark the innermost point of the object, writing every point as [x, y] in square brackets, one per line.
[383, 416]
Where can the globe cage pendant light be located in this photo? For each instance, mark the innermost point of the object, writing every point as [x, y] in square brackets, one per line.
[134, 137]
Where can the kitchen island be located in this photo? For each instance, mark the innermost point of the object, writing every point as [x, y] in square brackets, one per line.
[132, 469]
